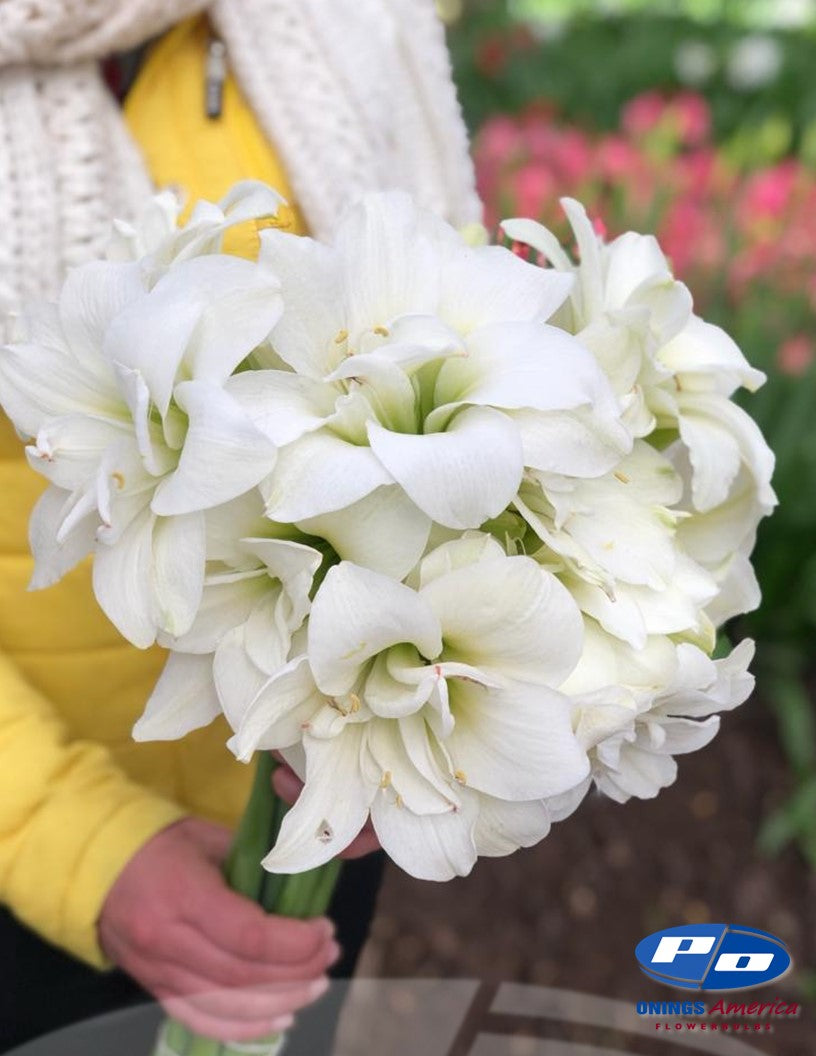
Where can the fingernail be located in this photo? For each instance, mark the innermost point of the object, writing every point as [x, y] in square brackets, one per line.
[318, 988]
[279, 1025]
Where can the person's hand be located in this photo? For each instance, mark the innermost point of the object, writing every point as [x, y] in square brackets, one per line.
[215, 960]
[289, 786]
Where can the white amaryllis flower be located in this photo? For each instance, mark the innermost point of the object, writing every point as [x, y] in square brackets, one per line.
[675, 376]
[402, 351]
[256, 609]
[635, 709]
[615, 540]
[451, 531]
[121, 388]
[255, 599]
[434, 707]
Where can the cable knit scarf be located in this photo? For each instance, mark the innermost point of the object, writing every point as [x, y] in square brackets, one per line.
[355, 94]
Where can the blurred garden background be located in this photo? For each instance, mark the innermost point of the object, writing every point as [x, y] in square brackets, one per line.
[694, 120]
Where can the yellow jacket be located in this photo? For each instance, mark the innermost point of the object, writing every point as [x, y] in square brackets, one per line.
[78, 797]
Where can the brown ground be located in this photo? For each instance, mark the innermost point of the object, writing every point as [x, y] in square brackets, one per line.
[569, 912]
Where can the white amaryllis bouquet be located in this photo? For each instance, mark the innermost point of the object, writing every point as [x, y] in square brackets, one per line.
[451, 530]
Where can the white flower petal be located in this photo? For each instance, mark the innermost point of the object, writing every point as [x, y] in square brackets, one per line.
[151, 335]
[294, 564]
[91, 297]
[156, 457]
[516, 365]
[38, 383]
[321, 473]
[398, 775]
[492, 285]
[279, 713]
[442, 472]
[701, 348]
[391, 698]
[183, 700]
[419, 742]
[576, 443]
[226, 603]
[227, 525]
[52, 558]
[179, 545]
[531, 233]
[739, 591]
[720, 437]
[69, 449]
[514, 743]
[122, 578]
[503, 827]
[356, 614]
[642, 774]
[242, 303]
[390, 252]
[322, 823]
[283, 406]
[510, 617]
[429, 847]
[237, 679]
[385, 531]
[680, 735]
[560, 807]
[269, 630]
[224, 454]
[309, 275]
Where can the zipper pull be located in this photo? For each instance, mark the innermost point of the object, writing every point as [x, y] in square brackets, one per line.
[216, 75]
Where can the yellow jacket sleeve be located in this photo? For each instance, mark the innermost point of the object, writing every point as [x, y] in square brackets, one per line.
[70, 820]
[70, 817]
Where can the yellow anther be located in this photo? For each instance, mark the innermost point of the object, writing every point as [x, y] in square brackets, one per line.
[398, 800]
[341, 337]
[621, 477]
[356, 703]
[118, 479]
[460, 776]
[385, 781]
[383, 331]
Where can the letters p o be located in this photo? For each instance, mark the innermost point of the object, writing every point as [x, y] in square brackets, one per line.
[670, 946]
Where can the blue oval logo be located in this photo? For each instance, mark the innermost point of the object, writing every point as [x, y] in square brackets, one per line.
[713, 957]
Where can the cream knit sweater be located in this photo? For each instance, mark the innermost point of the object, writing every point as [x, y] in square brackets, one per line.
[355, 95]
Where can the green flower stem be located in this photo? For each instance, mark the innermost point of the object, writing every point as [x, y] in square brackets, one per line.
[257, 831]
[307, 894]
[302, 895]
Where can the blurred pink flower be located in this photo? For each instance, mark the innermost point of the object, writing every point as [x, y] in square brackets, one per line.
[684, 117]
[768, 193]
[725, 230]
[617, 158]
[499, 139]
[535, 188]
[685, 231]
[643, 114]
[692, 115]
[796, 355]
[573, 157]
[599, 227]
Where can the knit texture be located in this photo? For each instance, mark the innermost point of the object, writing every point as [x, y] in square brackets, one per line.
[355, 95]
